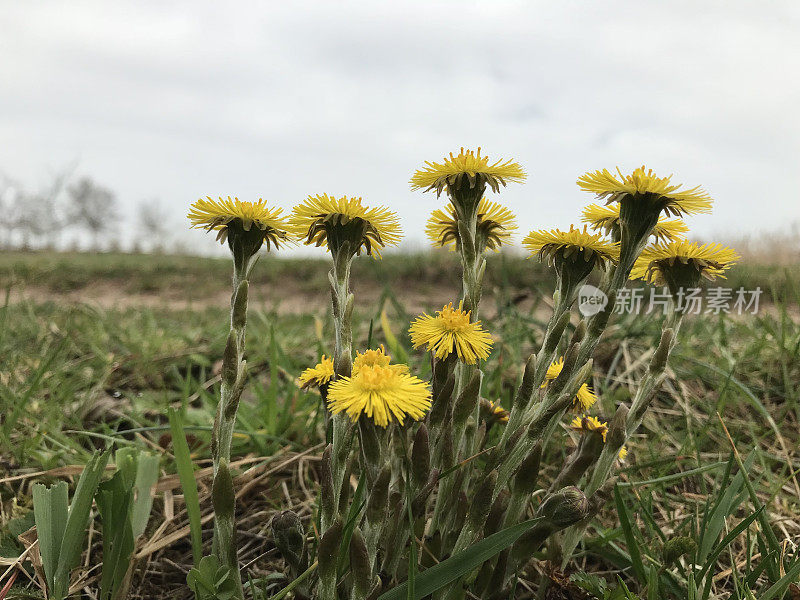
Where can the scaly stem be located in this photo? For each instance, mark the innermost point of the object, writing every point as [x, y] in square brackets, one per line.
[233, 376]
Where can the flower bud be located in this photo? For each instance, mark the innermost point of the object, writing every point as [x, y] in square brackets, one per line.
[290, 539]
[579, 333]
[421, 456]
[564, 507]
[556, 332]
[420, 500]
[676, 547]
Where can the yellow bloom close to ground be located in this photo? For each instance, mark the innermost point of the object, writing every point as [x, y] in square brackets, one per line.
[381, 393]
[220, 215]
[573, 244]
[645, 183]
[376, 358]
[497, 412]
[606, 218]
[661, 264]
[318, 375]
[586, 424]
[584, 399]
[326, 220]
[623, 454]
[470, 165]
[451, 331]
[496, 225]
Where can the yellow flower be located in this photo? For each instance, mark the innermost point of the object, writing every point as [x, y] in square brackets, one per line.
[584, 399]
[495, 225]
[496, 412]
[381, 393]
[574, 244]
[586, 423]
[376, 358]
[623, 454]
[323, 219]
[644, 183]
[682, 263]
[470, 165]
[318, 375]
[224, 214]
[451, 331]
[606, 218]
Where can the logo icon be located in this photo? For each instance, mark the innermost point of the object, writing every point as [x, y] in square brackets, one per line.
[591, 300]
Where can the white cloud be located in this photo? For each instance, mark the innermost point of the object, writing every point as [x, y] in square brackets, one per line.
[183, 99]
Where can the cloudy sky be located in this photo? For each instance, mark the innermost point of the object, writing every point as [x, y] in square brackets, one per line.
[177, 100]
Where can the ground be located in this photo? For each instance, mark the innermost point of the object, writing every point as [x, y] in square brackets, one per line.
[95, 348]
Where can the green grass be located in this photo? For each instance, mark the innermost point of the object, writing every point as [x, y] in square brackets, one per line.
[76, 376]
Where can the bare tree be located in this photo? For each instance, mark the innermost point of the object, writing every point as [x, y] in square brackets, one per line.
[153, 225]
[93, 207]
[9, 211]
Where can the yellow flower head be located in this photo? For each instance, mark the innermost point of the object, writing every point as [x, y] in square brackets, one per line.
[683, 263]
[573, 244]
[584, 399]
[225, 215]
[606, 218]
[375, 358]
[381, 393]
[496, 225]
[451, 331]
[469, 166]
[495, 411]
[645, 184]
[323, 219]
[586, 424]
[318, 375]
[623, 454]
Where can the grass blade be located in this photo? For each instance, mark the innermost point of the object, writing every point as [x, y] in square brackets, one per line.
[183, 463]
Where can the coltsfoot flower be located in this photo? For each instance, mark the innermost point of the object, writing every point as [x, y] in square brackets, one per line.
[494, 412]
[576, 246]
[451, 331]
[319, 375]
[585, 424]
[646, 186]
[329, 221]
[467, 167]
[495, 227]
[376, 358]
[233, 215]
[584, 399]
[382, 393]
[606, 218]
[682, 264]
[623, 454]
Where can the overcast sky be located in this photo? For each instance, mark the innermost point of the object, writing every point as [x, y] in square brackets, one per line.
[177, 100]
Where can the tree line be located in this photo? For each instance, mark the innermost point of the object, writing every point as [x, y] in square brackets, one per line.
[75, 213]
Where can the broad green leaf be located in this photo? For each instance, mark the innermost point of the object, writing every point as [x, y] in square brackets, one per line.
[114, 500]
[75, 530]
[50, 509]
[146, 478]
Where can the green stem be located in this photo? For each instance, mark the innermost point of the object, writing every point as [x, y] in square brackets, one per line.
[233, 378]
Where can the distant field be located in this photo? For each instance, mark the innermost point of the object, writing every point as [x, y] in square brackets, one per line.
[95, 347]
